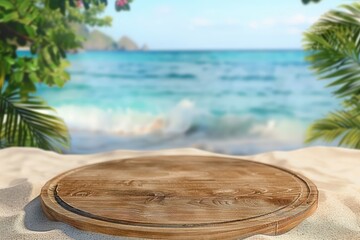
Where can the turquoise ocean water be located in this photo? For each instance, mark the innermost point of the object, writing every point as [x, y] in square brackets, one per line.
[238, 102]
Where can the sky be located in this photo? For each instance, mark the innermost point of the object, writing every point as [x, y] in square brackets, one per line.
[217, 24]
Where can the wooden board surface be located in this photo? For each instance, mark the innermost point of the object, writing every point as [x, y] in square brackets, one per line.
[180, 197]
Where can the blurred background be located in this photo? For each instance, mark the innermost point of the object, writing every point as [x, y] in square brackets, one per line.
[225, 76]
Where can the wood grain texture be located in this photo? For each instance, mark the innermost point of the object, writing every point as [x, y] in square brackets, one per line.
[180, 197]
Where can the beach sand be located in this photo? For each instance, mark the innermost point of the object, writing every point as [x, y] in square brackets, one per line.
[335, 171]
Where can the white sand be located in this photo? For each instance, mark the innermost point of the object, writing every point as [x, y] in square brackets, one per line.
[335, 171]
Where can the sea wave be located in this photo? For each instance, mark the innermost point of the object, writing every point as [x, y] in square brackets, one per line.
[137, 76]
[184, 119]
[248, 78]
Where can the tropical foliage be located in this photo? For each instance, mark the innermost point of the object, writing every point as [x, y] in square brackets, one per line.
[30, 122]
[45, 27]
[333, 44]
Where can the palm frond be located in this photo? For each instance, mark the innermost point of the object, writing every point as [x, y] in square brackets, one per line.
[333, 44]
[341, 125]
[30, 122]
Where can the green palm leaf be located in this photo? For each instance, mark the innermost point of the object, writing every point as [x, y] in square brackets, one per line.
[333, 45]
[338, 125]
[30, 122]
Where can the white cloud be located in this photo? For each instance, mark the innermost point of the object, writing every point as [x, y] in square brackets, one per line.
[267, 22]
[295, 20]
[291, 23]
[253, 25]
[163, 10]
[231, 22]
[201, 22]
[294, 31]
[301, 19]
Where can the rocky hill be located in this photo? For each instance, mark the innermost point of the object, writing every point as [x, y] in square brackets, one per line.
[97, 40]
[127, 44]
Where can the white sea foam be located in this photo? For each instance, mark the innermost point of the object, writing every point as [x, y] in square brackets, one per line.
[124, 122]
[184, 119]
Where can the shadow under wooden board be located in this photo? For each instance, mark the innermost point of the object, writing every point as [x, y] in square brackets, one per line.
[180, 197]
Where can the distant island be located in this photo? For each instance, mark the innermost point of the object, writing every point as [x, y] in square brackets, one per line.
[97, 40]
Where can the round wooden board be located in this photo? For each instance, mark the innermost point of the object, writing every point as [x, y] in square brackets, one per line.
[180, 197]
